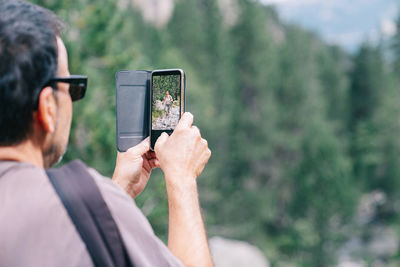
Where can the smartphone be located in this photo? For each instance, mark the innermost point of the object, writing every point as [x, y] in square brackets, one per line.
[167, 94]
[132, 107]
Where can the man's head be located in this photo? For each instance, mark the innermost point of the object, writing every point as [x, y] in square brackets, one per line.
[31, 53]
[167, 93]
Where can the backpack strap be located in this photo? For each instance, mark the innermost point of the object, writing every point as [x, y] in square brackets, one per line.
[89, 213]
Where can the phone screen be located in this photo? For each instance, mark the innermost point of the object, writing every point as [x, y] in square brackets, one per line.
[166, 102]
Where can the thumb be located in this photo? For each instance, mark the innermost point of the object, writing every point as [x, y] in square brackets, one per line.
[186, 121]
[161, 140]
[140, 148]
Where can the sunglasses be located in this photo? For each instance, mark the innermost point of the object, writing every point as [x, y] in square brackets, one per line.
[77, 85]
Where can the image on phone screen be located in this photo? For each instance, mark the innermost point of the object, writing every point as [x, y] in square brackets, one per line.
[166, 101]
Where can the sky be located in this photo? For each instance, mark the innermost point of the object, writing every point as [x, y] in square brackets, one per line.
[344, 22]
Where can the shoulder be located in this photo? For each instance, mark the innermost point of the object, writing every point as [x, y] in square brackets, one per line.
[118, 201]
[142, 245]
[28, 201]
[107, 187]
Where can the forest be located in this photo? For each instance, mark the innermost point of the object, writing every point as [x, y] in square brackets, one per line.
[164, 84]
[301, 131]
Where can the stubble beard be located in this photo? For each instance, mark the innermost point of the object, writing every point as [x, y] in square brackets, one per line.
[55, 152]
[53, 155]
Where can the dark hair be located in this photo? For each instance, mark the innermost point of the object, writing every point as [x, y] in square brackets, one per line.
[28, 59]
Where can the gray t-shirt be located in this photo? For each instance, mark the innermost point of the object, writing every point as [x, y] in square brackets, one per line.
[35, 229]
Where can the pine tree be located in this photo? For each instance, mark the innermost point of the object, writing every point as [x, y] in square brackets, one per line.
[252, 111]
[367, 89]
[396, 47]
[324, 195]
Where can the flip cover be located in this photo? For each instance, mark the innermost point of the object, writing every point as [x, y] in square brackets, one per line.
[132, 94]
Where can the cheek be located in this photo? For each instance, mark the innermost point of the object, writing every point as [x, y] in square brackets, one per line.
[67, 107]
[66, 113]
[70, 111]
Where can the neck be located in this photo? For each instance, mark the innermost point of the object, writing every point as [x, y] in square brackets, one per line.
[26, 151]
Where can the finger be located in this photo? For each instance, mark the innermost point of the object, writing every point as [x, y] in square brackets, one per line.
[146, 155]
[196, 131]
[150, 164]
[200, 170]
[186, 121]
[205, 157]
[140, 148]
[161, 140]
[146, 165]
[154, 163]
[150, 155]
[208, 154]
[204, 141]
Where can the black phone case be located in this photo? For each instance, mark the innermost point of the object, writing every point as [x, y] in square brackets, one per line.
[132, 107]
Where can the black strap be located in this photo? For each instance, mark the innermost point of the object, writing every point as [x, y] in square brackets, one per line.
[90, 214]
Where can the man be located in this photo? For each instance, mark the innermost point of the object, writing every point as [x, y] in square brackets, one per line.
[168, 102]
[36, 93]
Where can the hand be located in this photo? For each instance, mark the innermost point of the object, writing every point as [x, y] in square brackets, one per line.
[184, 153]
[182, 157]
[133, 168]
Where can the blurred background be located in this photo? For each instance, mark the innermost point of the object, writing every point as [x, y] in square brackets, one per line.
[300, 103]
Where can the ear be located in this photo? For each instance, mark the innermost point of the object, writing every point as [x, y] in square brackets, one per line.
[47, 109]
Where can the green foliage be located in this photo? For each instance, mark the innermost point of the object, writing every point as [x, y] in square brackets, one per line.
[366, 93]
[374, 126]
[164, 84]
[324, 193]
[298, 129]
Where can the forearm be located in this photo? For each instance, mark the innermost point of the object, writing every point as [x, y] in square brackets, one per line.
[187, 237]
